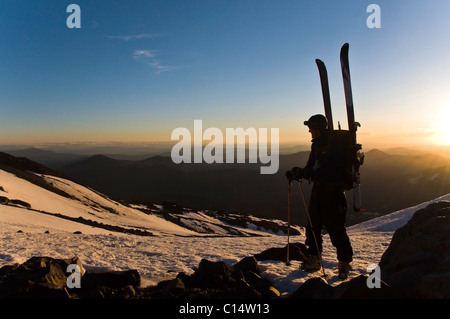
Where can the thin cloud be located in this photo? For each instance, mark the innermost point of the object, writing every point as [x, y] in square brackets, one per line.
[149, 58]
[137, 36]
[146, 57]
[144, 54]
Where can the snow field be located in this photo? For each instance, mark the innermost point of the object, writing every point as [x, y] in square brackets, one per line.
[172, 250]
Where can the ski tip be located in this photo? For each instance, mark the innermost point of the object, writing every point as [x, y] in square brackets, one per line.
[344, 49]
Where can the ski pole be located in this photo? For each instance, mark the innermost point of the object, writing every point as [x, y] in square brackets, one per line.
[288, 263]
[311, 225]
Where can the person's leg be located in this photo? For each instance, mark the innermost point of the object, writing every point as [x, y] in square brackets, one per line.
[334, 216]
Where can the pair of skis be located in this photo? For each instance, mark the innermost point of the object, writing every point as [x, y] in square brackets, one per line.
[352, 124]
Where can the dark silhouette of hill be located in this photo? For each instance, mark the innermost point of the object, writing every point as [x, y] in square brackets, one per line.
[48, 158]
[26, 169]
[228, 187]
[56, 160]
[389, 183]
[396, 181]
[22, 163]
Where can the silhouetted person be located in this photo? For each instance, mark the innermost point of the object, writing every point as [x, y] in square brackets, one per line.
[327, 205]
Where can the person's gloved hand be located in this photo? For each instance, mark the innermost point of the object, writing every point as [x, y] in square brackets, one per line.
[297, 173]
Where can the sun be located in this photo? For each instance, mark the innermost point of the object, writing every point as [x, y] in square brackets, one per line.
[442, 127]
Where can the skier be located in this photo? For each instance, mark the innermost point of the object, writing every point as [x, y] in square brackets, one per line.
[328, 204]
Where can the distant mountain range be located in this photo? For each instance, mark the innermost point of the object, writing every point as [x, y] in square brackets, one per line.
[389, 182]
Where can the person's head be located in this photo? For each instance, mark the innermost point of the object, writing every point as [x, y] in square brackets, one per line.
[316, 124]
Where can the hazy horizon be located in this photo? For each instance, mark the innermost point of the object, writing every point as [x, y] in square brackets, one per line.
[164, 148]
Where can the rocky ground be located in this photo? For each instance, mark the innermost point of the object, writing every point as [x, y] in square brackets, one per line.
[415, 265]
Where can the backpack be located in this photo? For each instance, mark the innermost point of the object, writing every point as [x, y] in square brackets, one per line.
[343, 155]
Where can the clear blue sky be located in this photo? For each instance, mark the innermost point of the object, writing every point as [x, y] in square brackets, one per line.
[136, 70]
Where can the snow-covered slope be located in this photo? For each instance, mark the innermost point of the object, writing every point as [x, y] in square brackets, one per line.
[83, 203]
[93, 213]
[173, 249]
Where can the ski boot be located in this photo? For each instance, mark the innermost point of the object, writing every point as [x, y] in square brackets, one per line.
[311, 263]
[344, 269]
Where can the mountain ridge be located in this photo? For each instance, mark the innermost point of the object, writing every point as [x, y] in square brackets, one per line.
[388, 183]
[385, 182]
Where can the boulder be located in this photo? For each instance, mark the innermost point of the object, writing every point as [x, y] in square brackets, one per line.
[4, 200]
[297, 251]
[38, 277]
[417, 260]
[415, 265]
[48, 278]
[214, 275]
[112, 279]
[314, 288]
[217, 280]
[356, 288]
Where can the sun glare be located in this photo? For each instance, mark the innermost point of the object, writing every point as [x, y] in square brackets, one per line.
[442, 127]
